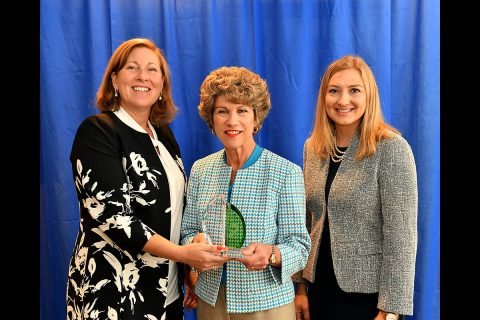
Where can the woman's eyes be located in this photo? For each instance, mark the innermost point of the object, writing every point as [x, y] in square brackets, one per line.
[336, 91]
[150, 69]
[225, 112]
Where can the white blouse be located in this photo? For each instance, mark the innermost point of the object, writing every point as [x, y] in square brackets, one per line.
[176, 184]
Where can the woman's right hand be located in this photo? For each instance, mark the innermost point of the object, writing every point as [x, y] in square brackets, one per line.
[204, 257]
[301, 303]
[190, 299]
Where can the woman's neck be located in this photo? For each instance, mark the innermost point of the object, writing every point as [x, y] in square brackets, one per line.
[140, 117]
[344, 135]
[236, 158]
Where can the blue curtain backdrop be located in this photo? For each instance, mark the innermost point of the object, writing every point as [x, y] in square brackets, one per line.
[289, 43]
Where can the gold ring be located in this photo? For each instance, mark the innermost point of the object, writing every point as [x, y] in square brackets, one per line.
[252, 268]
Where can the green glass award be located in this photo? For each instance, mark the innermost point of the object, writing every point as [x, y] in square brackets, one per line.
[230, 225]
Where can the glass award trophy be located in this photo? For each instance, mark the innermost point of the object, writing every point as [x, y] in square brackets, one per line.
[223, 222]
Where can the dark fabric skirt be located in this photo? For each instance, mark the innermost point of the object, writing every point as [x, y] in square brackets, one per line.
[174, 311]
[327, 300]
[330, 302]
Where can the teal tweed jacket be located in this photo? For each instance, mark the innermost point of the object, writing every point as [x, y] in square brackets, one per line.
[270, 195]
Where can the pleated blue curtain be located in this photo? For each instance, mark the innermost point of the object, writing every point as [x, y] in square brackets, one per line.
[288, 42]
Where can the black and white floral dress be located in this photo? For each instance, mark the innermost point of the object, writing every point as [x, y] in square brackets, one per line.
[124, 199]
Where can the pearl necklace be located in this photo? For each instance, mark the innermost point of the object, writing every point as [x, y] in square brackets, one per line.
[336, 154]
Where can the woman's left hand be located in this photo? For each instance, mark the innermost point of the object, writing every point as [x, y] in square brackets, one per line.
[256, 256]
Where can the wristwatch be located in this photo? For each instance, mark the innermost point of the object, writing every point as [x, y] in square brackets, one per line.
[391, 316]
[273, 257]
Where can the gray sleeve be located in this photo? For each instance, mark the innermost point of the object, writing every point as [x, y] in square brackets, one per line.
[399, 200]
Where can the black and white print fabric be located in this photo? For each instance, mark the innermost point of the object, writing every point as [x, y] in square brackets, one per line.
[123, 195]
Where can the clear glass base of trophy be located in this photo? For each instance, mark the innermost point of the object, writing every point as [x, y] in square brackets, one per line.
[233, 253]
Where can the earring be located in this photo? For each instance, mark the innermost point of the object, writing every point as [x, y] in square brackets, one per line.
[160, 98]
[255, 130]
[213, 132]
[116, 93]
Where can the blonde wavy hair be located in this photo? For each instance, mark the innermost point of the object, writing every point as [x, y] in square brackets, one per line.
[163, 111]
[238, 85]
[372, 128]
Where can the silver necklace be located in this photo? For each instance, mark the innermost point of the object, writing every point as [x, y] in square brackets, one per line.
[336, 154]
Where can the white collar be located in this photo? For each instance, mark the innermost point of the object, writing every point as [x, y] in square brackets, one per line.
[129, 121]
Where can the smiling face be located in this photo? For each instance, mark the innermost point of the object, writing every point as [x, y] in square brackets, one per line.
[233, 124]
[140, 81]
[346, 98]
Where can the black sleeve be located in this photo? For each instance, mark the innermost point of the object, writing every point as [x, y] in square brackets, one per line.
[102, 185]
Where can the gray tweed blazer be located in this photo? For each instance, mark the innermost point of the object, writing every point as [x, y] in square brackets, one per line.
[372, 209]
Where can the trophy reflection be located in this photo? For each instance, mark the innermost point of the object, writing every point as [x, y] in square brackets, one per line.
[224, 224]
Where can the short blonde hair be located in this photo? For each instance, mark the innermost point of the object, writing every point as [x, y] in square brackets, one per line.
[163, 111]
[372, 126]
[238, 85]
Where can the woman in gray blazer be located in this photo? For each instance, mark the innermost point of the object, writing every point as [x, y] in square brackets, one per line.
[361, 189]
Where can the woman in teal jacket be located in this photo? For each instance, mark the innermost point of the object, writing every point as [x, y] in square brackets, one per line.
[267, 189]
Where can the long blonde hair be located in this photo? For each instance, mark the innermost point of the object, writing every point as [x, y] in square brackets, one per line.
[372, 128]
[162, 111]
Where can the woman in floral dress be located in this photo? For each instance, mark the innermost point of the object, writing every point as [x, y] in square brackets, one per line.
[130, 185]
